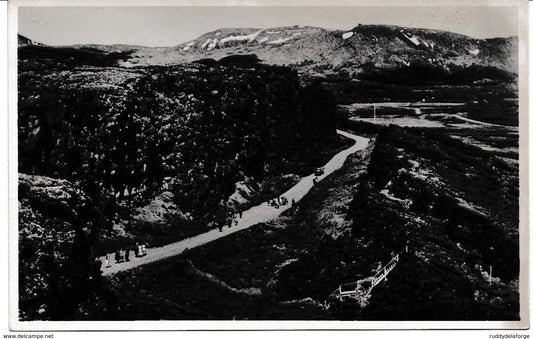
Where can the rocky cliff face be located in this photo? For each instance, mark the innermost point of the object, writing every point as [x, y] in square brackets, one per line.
[56, 224]
[197, 128]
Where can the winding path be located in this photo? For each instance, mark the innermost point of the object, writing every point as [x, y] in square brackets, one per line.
[253, 216]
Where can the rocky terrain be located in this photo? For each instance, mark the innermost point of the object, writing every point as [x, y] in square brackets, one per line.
[399, 196]
[456, 208]
[56, 229]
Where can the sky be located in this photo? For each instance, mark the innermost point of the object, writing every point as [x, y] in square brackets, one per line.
[169, 26]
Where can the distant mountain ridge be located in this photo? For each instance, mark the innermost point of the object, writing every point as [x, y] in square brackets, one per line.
[23, 41]
[313, 49]
[317, 51]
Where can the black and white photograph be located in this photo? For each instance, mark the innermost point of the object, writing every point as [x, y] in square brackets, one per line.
[317, 166]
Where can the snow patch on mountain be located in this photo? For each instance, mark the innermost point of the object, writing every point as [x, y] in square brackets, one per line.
[347, 35]
[204, 45]
[410, 37]
[414, 40]
[249, 37]
[188, 46]
[212, 45]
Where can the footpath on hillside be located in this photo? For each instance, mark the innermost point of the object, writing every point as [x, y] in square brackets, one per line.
[253, 216]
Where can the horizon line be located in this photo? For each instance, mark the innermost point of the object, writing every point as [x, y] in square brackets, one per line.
[27, 36]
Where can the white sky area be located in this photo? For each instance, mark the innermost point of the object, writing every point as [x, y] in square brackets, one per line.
[169, 26]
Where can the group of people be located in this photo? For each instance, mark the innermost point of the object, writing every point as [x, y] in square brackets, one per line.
[233, 220]
[319, 171]
[124, 255]
[280, 201]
